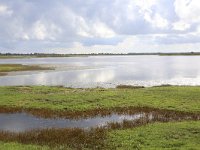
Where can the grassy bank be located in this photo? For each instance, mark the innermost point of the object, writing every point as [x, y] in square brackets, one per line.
[4, 68]
[179, 98]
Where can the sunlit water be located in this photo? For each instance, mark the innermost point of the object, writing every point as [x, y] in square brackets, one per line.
[108, 71]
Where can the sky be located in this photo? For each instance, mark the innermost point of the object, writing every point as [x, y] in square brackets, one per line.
[99, 26]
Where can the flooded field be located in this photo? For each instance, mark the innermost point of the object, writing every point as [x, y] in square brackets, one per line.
[107, 71]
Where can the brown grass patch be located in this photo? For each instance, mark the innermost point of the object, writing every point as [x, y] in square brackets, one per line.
[4, 68]
[129, 87]
[47, 113]
[74, 138]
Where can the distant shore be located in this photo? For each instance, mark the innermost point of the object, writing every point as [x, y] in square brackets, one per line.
[38, 55]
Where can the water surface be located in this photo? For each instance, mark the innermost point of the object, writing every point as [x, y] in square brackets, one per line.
[20, 122]
[108, 71]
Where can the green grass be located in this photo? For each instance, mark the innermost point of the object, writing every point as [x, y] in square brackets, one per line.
[58, 98]
[176, 136]
[18, 146]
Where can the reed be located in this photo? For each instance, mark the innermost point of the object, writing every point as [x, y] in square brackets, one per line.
[73, 138]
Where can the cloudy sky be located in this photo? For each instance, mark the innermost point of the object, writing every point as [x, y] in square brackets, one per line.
[84, 26]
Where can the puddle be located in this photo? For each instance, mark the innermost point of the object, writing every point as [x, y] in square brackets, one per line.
[21, 122]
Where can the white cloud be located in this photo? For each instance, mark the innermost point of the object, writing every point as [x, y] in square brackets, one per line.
[181, 26]
[144, 4]
[4, 10]
[94, 29]
[188, 10]
[157, 21]
[25, 36]
[160, 22]
[102, 30]
[198, 29]
[40, 31]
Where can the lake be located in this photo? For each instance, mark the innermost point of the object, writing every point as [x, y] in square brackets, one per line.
[107, 71]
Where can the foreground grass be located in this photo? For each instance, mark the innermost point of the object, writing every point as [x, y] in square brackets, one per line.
[58, 98]
[171, 135]
[157, 136]
[179, 135]
[4, 68]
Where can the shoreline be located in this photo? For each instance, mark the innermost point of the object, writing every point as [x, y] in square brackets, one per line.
[41, 55]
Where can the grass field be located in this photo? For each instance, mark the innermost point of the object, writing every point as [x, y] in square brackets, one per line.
[177, 135]
[58, 98]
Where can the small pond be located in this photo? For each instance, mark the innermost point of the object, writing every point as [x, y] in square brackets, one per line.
[19, 122]
[22, 121]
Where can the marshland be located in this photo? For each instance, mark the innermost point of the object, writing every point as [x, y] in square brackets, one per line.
[99, 75]
[96, 102]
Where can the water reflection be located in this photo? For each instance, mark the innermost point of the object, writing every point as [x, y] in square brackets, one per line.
[20, 122]
[110, 71]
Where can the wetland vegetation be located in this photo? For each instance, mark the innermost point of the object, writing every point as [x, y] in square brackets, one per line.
[99, 75]
[5, 68]
[179, 98]
[176, 125]
[171, 135]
